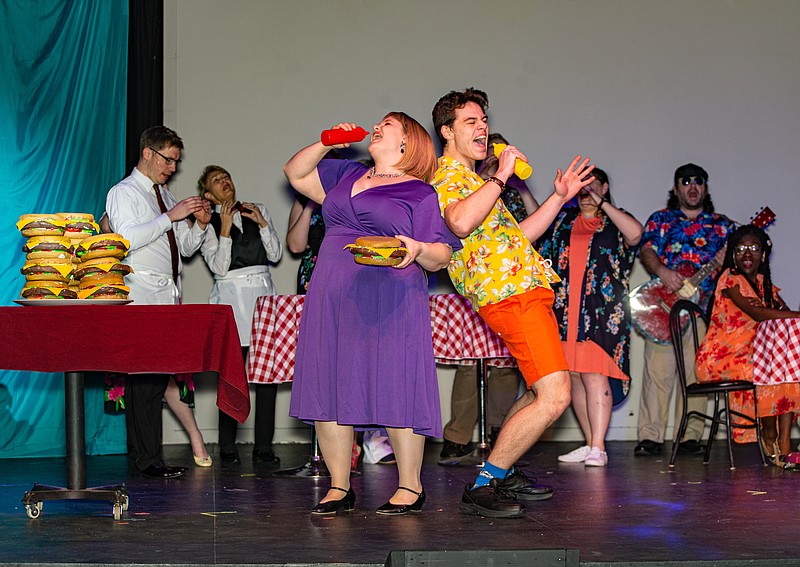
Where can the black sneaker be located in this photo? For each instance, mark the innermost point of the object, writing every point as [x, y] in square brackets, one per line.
[452, 450]
[691, 447]
[490, 502]
[523, 488]
[648, 448]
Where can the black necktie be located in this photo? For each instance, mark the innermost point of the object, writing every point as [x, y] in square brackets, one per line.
[173, 245]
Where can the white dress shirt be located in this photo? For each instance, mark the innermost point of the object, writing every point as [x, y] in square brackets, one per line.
[134, 213]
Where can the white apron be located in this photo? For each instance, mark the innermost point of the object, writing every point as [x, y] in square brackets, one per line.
[152, 288]
[240, 289]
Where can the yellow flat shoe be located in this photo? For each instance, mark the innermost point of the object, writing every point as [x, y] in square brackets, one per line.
[202, 461]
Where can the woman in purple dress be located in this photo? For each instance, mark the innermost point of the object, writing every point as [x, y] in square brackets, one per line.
[365, 353]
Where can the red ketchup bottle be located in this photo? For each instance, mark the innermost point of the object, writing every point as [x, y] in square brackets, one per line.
[339, 136]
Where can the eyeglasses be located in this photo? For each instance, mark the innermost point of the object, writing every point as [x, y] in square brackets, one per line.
[742, 248]
[167, 160]
[698, 180]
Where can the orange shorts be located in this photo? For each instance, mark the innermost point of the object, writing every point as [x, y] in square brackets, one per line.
[529, 329]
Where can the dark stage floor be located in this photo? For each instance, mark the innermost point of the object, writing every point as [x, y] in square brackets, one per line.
[634, 511]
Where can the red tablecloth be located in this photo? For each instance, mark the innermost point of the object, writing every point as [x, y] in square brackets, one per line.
[459, 336]
[776, 352]
[168, 339]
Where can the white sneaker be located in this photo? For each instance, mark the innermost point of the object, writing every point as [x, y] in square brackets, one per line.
[596, 458]
[577, 456]
[376, 447]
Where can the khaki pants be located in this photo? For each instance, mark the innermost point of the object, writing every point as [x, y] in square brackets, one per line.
[503, 385]
[659, 379]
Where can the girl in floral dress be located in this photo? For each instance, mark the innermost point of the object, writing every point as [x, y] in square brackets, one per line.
[744, 297]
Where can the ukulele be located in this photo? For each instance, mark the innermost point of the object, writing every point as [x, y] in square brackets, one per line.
[652, 301]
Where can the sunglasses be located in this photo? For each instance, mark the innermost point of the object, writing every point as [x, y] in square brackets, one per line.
[698, 180]
[742, 248]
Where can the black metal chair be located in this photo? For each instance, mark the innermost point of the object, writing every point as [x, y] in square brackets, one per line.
[720, 390]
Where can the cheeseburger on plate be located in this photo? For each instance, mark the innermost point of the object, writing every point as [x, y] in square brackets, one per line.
[103, 286]
[111, 245]
[40, 225]
[50, 246]
[78, 226]
[48, 269]
[98, 266]
[47, 290]
[377, 251]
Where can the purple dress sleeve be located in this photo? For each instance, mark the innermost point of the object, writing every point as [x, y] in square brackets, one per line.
[332, 170]
[429, 226]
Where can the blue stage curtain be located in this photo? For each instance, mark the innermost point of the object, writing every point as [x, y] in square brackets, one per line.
[63, 75]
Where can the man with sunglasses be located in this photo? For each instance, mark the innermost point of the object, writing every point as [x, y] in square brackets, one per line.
[687, 231]
[141, 209]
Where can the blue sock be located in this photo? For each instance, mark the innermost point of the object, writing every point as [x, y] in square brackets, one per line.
[488, 472]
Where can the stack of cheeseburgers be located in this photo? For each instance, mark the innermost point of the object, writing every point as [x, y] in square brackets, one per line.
[101, 274]
[66, 260]
[48, 265]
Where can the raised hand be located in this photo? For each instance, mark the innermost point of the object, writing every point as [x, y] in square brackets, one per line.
[597, 198]
[226, 218]
[507, 160]
[203, 216]
[573, 179]
[189, 206]
[344, 126]
[254, 214]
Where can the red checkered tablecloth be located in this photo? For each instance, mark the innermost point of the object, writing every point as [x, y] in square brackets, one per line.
[459, 336]
[776, 352]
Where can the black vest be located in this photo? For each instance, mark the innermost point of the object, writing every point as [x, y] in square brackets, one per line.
[246, 248]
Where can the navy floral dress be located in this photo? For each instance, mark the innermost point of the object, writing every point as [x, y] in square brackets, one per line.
[316, 232]
[605, 310]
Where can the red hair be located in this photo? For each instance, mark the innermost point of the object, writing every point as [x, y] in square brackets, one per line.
[419, 159]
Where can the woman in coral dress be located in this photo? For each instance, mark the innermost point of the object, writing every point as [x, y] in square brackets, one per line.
[595, 246]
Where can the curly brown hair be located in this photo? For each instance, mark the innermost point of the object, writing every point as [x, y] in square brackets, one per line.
[444, 112]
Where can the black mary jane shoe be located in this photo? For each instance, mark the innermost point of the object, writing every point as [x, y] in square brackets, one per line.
[332, 507]
[390, 509]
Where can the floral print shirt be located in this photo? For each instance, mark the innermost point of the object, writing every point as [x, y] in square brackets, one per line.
[605, 311]
[676, 239]
[497, 260]
[513, 200]
[316, 232]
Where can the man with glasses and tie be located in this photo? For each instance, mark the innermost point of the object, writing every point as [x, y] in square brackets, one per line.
[687, 231]
[141, 209]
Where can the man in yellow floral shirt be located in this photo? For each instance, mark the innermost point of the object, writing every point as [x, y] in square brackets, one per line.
[508, 283]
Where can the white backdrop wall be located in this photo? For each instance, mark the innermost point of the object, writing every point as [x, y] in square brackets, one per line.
[640, 86]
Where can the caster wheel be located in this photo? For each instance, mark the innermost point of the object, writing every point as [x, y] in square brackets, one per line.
[117, 511]
[33, 510]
